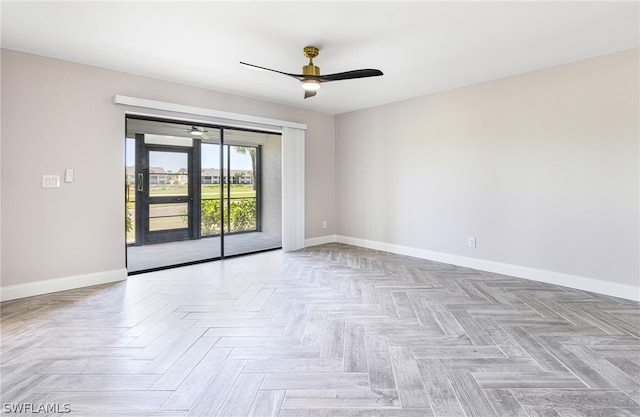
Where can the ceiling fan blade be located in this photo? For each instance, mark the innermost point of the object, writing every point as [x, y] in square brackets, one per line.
[348, 75]
[309, 93]
[204, 136]
[296, 76]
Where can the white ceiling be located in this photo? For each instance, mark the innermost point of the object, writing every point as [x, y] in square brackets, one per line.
[421, 46]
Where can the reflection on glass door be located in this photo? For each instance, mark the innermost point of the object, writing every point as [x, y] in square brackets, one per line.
[210, 203]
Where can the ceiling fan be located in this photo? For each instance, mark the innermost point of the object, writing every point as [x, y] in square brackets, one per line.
[199, 132]
[311, 78]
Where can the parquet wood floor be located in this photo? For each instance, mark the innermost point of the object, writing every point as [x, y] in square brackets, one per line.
[332, 330]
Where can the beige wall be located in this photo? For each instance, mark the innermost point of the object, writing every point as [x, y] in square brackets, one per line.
[542, 168]
[58, 115]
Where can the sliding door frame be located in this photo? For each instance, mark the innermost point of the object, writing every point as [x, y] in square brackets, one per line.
[293, 152]
[196, 184]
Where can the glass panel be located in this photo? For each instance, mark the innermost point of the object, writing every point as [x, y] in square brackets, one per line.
[210, 190]
[242, 196]
[212, 135]
[271, 190]
[250, 225]
[168, 174]
[168, 209]
[244, 138]
[167, 223]
[168, 140]
[239, 190]
[168, 216]
[243, 215]
[168, 146]
[211, 217]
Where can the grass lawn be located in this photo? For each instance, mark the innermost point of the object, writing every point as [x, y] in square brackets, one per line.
[237, 191]
[208, 191]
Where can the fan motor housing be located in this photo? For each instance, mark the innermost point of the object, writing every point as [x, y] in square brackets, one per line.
[310, 52]
[310, 70]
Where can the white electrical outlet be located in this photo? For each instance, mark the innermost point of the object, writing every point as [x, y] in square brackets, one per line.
[471, 241]
[51, 181]
[324, 224]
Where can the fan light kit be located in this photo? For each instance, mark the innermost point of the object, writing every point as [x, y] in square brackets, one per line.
[196, 132]
[311, 78]
[199, 132]
[311, 85]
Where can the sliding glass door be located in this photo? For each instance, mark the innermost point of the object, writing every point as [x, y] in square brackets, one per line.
[199, 193]
[252, 193]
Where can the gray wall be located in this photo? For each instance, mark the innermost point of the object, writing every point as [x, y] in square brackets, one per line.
[542, 168]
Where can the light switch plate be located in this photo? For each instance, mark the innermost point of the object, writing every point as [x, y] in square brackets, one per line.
[51, 181]
[68, 175]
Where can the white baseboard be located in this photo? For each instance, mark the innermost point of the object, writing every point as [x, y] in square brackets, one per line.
[320, 240]
[12, 292]
[628, 292]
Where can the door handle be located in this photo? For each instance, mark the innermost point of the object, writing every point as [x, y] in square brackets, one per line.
[140, 182]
